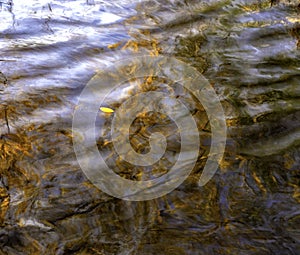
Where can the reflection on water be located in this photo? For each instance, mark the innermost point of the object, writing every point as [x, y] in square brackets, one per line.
[248, 50]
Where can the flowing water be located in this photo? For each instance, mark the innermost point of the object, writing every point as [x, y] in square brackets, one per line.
[247, 50]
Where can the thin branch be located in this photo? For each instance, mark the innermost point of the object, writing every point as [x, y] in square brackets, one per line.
[6, 119]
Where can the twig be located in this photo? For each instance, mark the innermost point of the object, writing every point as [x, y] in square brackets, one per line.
[6, 119]
[11, 60]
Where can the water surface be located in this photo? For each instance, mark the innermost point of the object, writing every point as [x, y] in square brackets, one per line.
[249, 52]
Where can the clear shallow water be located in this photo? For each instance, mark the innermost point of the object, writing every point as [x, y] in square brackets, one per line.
[246, 49]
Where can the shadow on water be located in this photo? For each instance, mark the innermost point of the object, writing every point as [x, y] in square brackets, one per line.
[249, 52]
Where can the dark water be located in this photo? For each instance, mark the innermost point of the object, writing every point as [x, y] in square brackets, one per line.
[249, 52]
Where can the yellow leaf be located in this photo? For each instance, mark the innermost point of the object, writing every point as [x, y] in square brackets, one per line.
[106, 109]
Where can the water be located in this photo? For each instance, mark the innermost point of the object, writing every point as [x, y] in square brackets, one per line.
[249, 52]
